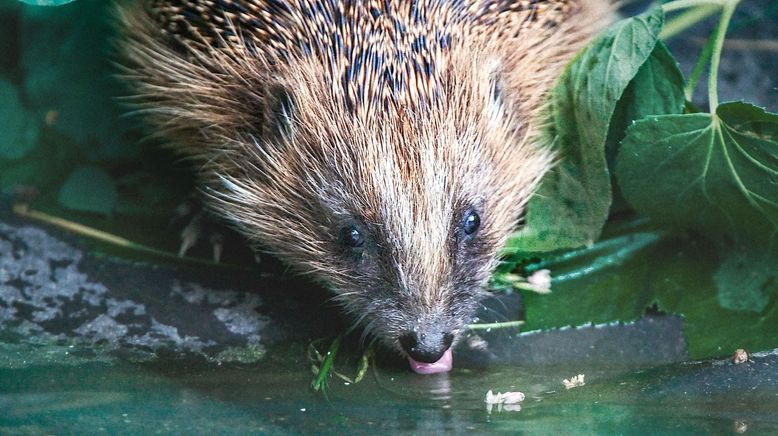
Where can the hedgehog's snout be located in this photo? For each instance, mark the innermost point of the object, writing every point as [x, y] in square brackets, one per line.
[426, 347]
[427, 344]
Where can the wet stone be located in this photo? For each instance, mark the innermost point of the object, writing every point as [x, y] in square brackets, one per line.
[54, 292]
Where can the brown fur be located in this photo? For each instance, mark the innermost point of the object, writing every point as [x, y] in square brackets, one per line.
[296, 134]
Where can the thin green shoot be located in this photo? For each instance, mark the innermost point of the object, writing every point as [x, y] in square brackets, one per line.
[699, 67]
[320, 382]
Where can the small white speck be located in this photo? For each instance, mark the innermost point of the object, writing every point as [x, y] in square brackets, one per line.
[302, 410]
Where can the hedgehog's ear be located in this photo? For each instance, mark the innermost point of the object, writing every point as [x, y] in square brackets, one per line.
[495, 103]
[495, 83]
[280, 108]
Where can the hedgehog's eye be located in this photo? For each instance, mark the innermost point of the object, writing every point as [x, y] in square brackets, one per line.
[350, 236]
[471, 222]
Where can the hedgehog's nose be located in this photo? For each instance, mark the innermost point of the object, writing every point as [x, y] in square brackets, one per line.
[427, 348]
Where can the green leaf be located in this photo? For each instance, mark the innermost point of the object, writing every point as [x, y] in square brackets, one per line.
[572, 202]
[90, 189]
[657, 89]
[621, 275]
[716, 174]
[682, 283]
[745, 277]
[593, 285]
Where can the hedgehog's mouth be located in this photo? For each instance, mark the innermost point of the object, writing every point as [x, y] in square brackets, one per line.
[444, 364]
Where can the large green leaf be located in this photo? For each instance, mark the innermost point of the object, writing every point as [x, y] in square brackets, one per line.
[657, 89]
[617, 278]
[597, 284]
[682, 283]
[717, 174]
[572, 202]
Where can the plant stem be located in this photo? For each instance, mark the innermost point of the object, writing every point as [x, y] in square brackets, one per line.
[720, 32]
[23, 210]
[685, 4]
[699, 67]
[495, 325]
[687, 19]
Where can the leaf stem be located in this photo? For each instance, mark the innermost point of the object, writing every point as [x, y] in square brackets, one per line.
[495, 325]
[720, 32]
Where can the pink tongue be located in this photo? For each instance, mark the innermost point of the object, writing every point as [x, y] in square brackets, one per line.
[443, 365]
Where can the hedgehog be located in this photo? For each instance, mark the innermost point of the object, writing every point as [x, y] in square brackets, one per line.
[385, 148]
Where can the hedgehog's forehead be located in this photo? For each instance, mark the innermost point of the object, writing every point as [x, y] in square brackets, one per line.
[415, 195]
[409, 163]
[402, 177]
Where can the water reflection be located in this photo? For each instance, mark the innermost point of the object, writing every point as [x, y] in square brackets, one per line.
[435, 387]
[273, 397]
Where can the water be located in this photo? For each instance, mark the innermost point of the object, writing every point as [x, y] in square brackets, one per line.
[274, 397]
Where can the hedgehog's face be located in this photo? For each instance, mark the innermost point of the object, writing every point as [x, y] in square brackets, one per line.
[410, 220]
[416, 274]
[402, 215]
